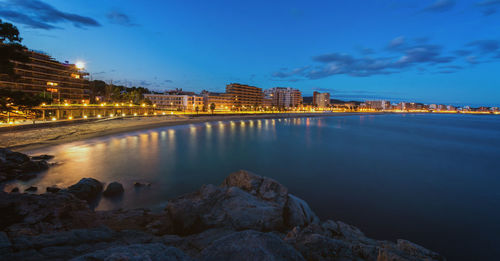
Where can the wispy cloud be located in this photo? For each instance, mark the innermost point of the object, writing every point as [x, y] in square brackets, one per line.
[440, 6]
[116, 17]
[39, 15]
[485, 46]
[489, 2]
[403, 55]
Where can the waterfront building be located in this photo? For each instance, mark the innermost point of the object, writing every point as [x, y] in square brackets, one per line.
[179, 102]
[451, 108]
[267, 102]
[43, 75]
[283, 96]
[378, 105]
[222, 101]
[244, 97]
[442, 107]
[321, 100]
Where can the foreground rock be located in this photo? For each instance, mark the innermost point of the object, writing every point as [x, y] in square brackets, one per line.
[247, 217]
[113, 189]
[16, 165]
[87, 189]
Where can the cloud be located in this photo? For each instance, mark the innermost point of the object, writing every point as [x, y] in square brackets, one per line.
[120, 18]
[396, 43]
[485, 46]
[440, 6]
[283, 73]
[39, 15]
[405, 55]
[463, 52]
[168, 81]
[489, 11]
[488, 3]
[472, 59]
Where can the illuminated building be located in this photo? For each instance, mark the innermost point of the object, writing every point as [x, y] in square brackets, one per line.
[321, 100]
[283, 96]
[222, 101]
[378, 105]
[63, 82]
[244, 97]
[181, 102]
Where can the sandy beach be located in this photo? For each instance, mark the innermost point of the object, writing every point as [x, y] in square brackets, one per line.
[47, 136]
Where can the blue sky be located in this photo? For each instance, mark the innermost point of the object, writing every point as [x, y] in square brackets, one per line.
[428, 51]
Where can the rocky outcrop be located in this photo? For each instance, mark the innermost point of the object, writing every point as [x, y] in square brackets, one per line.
[247, 217]
[113, 189]
[250, 245]
[154, 251]
[16, 165]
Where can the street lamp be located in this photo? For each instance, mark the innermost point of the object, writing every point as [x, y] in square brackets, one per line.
[80, 65]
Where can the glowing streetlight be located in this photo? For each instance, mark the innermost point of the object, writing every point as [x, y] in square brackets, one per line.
[80, 65]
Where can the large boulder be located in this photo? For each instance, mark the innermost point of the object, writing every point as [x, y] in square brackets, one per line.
[16, 165]
[153, 251]
[298, 213]
[332, 240]
[113, 189]
[243, 201]
[12, 156]
[86, 188]
[250, 245]
[261, 187]
[232, 207]
[29, 214]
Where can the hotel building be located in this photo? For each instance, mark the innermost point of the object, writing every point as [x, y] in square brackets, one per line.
[283, 96]
[222, 101]
[179, 102]
[321, 100]
[378, 105]
[41, 74]
[244, 96]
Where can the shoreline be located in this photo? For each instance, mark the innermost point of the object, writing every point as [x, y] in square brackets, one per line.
[39, 138]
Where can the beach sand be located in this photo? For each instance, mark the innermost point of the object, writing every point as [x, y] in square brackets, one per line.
[46, 136]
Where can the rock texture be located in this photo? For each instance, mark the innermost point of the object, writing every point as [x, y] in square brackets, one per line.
[16, 165]
[86, 188]
[113, 189]
[247, 217]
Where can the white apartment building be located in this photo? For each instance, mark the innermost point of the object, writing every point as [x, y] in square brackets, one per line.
[176, 102]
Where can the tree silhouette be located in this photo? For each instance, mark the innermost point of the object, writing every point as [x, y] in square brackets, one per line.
[212, 107]
[10, 50]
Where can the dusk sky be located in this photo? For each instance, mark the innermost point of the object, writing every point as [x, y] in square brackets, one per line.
[427, 51]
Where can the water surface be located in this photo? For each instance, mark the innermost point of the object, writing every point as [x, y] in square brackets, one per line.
[432, 179]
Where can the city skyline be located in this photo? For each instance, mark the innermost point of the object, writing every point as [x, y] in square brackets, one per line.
[423, 51]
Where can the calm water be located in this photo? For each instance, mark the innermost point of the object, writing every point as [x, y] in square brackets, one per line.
[432, 179]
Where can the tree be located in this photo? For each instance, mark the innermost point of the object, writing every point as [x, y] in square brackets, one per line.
[10, 49]
[9, 32]
[20, 101]
[212, 107]
[197, 109]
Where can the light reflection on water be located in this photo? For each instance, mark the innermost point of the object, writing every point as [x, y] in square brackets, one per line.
[420, 177]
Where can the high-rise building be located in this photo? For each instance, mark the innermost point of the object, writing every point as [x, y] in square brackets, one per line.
[321, 100]
[283, 96]
[244, 97]
[41, 74]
